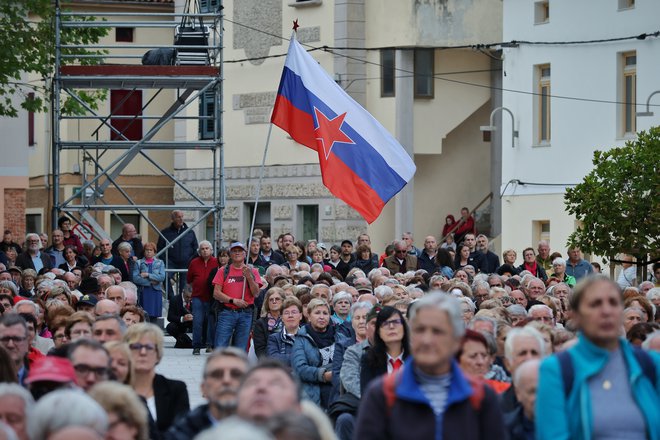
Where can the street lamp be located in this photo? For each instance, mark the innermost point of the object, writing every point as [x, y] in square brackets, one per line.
[488, 128]
[648, 111]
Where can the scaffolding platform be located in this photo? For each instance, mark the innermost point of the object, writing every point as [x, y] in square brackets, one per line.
[115, 65]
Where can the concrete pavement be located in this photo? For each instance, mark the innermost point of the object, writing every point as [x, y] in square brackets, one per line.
[180, 364]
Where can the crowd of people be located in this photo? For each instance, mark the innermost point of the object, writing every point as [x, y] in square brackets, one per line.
[323, 341]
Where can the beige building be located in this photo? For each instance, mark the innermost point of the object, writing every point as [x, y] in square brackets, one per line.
[432, 100]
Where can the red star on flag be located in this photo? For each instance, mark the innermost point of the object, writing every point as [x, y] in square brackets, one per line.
[329, 131]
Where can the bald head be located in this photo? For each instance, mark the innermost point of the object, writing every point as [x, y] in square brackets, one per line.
[369, 298]
[106, 307]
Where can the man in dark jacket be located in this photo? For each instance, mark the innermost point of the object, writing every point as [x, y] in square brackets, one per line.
[33, 258]
[426, 259]
[223, 373]
[520, 422]
[430, 397]
[129, 235]
[180, 253]
[489, 261]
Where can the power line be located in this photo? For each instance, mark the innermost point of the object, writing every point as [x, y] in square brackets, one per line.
[512, 43]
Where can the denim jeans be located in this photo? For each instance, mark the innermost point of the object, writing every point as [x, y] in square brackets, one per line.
[200, 311]
[234, 324]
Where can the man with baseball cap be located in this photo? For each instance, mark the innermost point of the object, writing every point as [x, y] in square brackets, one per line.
[50, 373]
[235, 287]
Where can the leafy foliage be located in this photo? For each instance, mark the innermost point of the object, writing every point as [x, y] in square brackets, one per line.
[27, 46]
[618, 202]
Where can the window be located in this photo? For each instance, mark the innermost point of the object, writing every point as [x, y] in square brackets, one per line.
[544, 104]
[126, 103]
[263, 217]
[124, 34]
[308, 216]
[424, 68]
[207, 115]
[206, 6]
[387, 72]
[626, 4]
[542, 12]
[117, 222]
[540, 230]
[31, 141]
[33, 223]
[629, 95]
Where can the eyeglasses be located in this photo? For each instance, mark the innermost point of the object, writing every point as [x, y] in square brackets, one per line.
[138, 347]
[391, 323]
[14, 339]
[291, 313]
[398, 251]
[85, 369]
[274, 299]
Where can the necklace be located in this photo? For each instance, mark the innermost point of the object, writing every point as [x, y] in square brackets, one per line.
[607, 385]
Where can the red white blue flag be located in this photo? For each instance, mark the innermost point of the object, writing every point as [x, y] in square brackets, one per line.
[361, 163]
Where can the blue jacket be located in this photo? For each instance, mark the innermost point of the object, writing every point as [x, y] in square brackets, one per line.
[157, 274]
[306, 363]
[184, 250]
[560, 418]
[280, 347]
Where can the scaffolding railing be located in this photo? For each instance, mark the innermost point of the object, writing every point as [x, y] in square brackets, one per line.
[106, 147]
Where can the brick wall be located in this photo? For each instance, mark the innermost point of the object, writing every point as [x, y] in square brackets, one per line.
[14, 216]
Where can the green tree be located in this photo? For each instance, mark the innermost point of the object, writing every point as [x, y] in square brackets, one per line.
[618, 202]
[27, 45]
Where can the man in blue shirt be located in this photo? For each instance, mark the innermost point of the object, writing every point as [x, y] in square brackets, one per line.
[576, 266]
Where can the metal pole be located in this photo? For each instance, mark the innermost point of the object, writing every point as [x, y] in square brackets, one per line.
[55, 100]
[256, 199]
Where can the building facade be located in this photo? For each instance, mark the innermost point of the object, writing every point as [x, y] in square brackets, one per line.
[569, 100]
[387, 56]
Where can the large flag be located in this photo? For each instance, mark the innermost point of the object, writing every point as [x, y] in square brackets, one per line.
[361, 163]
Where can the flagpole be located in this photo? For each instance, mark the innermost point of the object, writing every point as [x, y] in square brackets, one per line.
[256, 200]
[261, 177]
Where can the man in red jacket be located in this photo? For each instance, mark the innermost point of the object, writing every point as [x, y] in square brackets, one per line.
[198, 274]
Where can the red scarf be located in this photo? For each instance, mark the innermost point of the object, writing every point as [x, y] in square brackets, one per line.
[532, 268]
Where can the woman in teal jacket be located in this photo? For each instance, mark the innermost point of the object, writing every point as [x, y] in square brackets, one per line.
[608, 391]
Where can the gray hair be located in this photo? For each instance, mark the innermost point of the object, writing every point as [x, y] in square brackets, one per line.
[235, 429]
[199, 246]
[9, 285]
[469, 302]
[444, 303]
[317, 287]
[478, 284]
[559, 260]
[529, 363]
[518, 332]
[32, 234]
[124, 245]
[381, 291]
[646, 345]
[361, 305]
[653, 294]
[640, 312]
[33, 304]
[122, 325]
[81, 410]
[228, 352]
[516, 310]
[13, 389]
[484, 318]
[342, 295]
[543, 307]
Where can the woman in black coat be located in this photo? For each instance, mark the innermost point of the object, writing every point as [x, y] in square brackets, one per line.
[390, 348]
[270, 321]
[166, 399]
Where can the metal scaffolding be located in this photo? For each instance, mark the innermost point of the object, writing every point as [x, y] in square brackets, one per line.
[93, 67]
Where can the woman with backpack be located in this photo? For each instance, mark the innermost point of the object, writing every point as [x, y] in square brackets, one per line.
[602, 387]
